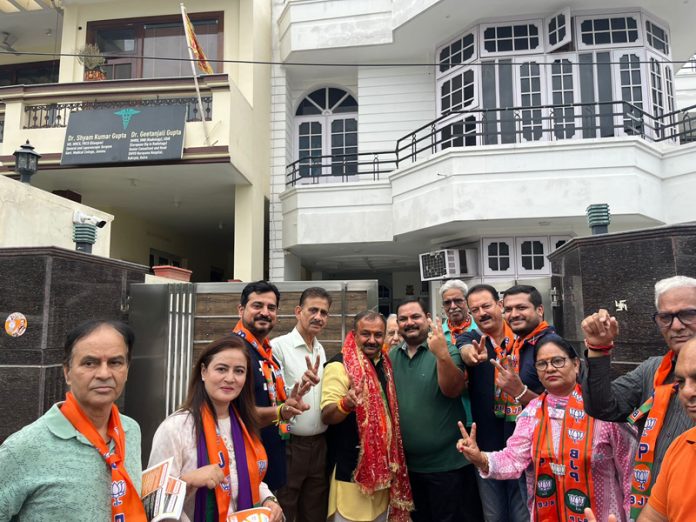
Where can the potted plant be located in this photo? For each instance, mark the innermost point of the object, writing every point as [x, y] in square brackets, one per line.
[91, 57]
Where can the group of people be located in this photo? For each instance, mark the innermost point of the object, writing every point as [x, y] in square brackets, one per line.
[487, 415]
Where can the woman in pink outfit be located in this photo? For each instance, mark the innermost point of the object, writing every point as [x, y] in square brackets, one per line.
[571, 460]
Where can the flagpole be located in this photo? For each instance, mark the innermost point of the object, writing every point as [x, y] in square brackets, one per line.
[189, 39]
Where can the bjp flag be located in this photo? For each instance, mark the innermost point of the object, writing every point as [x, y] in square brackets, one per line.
[196, 49]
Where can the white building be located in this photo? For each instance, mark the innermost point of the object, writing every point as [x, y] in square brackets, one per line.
[481, 125]
[204, 210]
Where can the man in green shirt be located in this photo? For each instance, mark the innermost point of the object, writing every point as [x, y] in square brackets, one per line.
[429, 377]
[49, 470]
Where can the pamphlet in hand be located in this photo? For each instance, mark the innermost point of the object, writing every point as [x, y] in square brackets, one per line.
[162, 494]
[259, 514]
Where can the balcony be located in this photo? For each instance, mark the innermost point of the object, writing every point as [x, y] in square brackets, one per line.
[445, 179]
[513, 125]
[41, 113]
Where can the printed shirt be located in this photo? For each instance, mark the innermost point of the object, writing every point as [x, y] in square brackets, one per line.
[613, 447]
[50, 471]
[175, 437]
[290, 350]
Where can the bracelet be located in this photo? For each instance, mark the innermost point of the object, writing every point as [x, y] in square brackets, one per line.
[271, 498]
[343, 408]
[279, 416]
[604, 348]
[524, 390]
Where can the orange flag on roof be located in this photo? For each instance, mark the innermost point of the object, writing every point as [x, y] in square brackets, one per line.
[196, 49]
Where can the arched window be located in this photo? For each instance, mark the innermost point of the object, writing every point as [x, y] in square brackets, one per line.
[327, 134]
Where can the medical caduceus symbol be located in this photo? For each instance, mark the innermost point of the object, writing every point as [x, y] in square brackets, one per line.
[126, 115]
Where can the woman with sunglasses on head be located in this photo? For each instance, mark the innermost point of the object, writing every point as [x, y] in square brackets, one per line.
[214, 438]
[572, 461]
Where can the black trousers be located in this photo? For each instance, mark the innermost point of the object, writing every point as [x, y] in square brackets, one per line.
[448, 496]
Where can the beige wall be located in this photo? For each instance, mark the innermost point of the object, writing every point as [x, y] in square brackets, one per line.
[33, 217]
[132, 238]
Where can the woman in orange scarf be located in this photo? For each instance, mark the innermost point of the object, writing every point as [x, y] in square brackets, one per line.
[214, 440]
[572, 461]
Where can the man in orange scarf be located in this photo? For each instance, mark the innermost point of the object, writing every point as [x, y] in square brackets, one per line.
[673, 498]
[365, 453]
[497, 392]
[80, 460]
[258, 313]
[645, 396]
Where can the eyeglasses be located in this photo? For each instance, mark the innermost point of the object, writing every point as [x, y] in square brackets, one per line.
[449, 302]
[556, 362]
[665, 319]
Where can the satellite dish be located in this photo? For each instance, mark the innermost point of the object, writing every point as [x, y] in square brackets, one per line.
[7, 41]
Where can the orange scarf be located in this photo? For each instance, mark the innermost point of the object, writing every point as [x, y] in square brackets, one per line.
[459, 329]
[502, 401]
[656, 408]
[563, 481]
[126, 505]
[272, 372]
[381, 462]
[256, 459]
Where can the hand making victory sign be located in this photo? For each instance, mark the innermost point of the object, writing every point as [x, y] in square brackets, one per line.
[468, 447]
[311, 376]
[507, 380]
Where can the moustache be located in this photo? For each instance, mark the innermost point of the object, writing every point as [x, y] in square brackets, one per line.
[409, 328]
[316, 323]
[484, 318]
[262, 318]
[372, 345]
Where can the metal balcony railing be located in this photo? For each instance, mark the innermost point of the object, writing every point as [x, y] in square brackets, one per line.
[341, 167]
[480, 127]
[50, 115]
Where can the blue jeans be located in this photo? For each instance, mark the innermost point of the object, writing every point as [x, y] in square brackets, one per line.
[502, 500]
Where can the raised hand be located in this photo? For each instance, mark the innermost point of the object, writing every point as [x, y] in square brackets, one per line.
[354, 395]
[468, 447]
[600, 328]
[311, 376]
[507, 380]
[294, 405]
[474, 353]
[437, 343]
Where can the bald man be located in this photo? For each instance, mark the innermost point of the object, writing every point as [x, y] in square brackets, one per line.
[674, 498]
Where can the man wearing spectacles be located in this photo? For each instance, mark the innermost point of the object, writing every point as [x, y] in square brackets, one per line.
[645, 396]
[458, 321]
[494, 340]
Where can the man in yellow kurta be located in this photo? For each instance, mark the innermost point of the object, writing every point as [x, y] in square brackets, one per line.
[358, 401]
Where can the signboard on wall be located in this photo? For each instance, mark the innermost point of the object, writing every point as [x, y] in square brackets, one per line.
[120, 135]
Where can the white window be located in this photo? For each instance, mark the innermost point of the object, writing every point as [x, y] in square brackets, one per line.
[669, 92]
[656, 96]
[459, 52]
[530, 94]
[458, 91]
[531, 255]
[556, 242]
[630, 87]
[327, 135]
[657, 37]
[520, 37]
[558, 30]
[498, 256]
[608, 31]
[562, 86]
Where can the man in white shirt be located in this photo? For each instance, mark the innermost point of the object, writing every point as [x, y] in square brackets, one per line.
[304, 498]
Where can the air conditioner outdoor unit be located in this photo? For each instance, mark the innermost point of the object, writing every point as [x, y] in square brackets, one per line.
[449, 263]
